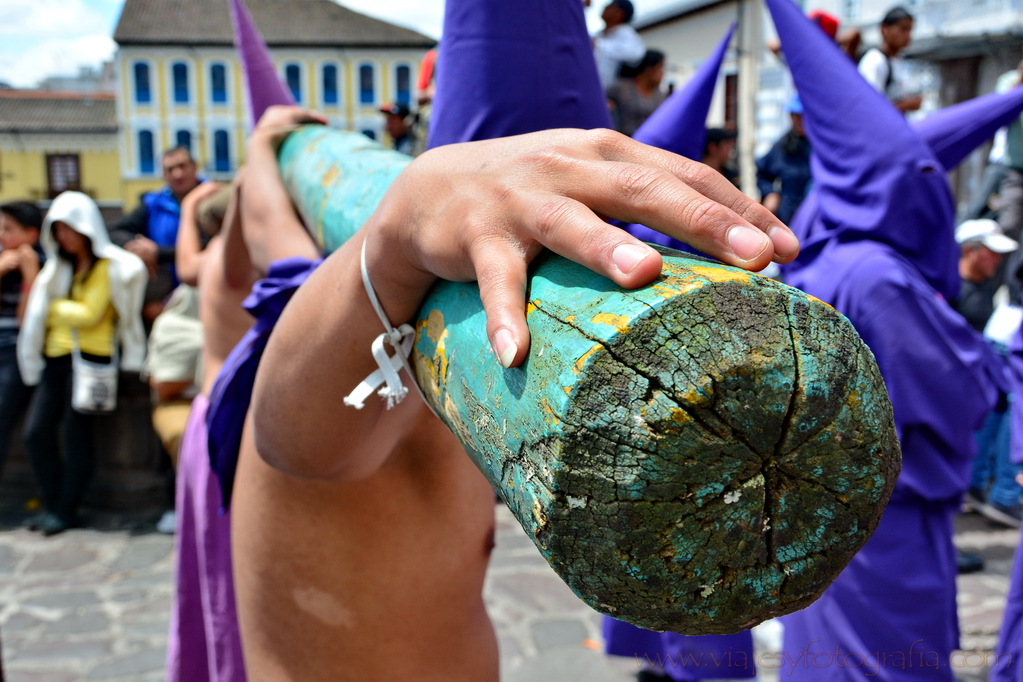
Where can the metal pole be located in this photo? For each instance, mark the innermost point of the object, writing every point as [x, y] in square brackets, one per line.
[751, 45]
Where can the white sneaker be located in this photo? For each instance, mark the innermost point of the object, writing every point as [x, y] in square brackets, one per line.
[167, 523]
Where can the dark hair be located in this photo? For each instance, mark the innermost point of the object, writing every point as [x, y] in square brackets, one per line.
[717, 136]
[651, 59]
[67, 255]
[175, 150]
[25, 213]
[627, 9]
[210, 212]
[895, 15]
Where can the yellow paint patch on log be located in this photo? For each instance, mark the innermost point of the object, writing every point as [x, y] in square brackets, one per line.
[817, 300]
[435, 327]
[721, 273]
[437, 332]
[580, 364]
[619, 322]
[552, 417]
[330, 176]
[531, 308]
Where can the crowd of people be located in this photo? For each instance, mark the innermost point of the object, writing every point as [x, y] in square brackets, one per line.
[314, 539]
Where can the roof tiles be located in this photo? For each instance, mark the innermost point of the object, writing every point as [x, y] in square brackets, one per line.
[300, 23]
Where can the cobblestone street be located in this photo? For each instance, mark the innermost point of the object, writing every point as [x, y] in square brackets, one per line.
[94, 605]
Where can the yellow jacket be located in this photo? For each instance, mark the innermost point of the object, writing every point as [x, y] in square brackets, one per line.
[89, 310]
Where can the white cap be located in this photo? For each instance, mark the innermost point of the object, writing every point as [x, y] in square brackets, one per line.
[986, 232]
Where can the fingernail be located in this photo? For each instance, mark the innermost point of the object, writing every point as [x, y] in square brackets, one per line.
[627, 256]
[785, 243]
[505, 347]
[746, 243]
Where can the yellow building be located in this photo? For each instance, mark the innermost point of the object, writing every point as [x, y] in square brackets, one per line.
[53, 141]
[181, 84]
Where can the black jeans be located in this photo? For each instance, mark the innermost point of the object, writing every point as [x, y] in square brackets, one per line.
[14, 397]
[50, 421]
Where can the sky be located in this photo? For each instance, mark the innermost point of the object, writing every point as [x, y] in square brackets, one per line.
[40, 38]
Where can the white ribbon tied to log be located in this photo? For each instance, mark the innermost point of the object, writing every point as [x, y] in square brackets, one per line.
[401, 339]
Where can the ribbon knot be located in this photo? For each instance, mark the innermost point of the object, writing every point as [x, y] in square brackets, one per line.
[400, 339]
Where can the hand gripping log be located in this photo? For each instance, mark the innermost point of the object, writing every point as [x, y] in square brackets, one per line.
[697, 455]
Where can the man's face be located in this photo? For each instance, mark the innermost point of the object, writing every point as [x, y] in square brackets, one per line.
[396, 126]
[612, 14]
[179, 172]
[13, 234]
[988, 262]
[722, 151]
[797, 124]
[898, 35]
[981, 263]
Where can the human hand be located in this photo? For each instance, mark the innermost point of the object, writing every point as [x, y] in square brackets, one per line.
[29, 262]
[772, 202]
[910, 103]
[146, 249]
[201, 191]
[10, 260]
[483, 210]
[279, 120]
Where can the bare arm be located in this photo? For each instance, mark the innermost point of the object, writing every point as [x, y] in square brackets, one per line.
[29, 269]
[188, 254]
[270, 225]
[481, 211]
[237, 266]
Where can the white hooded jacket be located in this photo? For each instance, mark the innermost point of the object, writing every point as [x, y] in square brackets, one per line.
[128, 278]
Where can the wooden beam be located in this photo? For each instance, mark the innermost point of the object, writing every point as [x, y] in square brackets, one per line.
[697, 455]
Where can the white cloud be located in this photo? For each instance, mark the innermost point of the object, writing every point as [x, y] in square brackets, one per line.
[53, 38]
[425, 16]
[51, 18]
[54, 56]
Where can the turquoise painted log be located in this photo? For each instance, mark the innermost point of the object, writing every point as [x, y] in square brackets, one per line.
[697, 455]
[336, 179]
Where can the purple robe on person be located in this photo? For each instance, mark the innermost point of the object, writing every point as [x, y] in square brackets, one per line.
[204, 643]
[232, 391]
[1008, 663]
[683, 658]
[878, 245]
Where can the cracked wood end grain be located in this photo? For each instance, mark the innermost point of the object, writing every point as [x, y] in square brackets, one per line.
[698, 455]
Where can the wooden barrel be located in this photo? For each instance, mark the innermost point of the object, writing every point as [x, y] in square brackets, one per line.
[697, 455]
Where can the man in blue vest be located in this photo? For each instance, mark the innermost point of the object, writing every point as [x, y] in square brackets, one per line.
[151, 230]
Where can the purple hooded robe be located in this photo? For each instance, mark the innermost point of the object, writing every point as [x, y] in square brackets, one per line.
[878, 245]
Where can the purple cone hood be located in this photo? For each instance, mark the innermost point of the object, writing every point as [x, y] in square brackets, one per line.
[954, 132]
[507, 68]
[874, 177]
[680, 124]
[262, 82]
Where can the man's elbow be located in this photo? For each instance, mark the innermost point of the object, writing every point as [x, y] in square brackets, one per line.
[283, 443]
